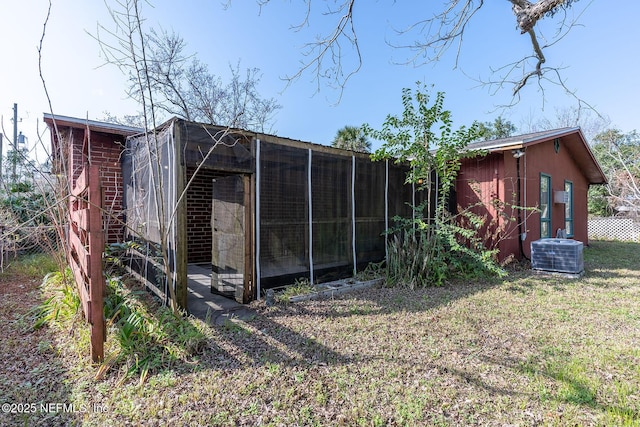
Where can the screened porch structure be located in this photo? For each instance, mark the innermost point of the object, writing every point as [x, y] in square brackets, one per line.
[255, 210]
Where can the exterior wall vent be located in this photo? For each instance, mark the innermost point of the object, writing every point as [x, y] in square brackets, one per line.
[561, 197]
[557, 255]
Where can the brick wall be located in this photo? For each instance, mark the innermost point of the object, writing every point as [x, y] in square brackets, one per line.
[199, 215]
[103, 149]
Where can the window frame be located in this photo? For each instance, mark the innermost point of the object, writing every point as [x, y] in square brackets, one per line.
[546, 219]
[568, 207]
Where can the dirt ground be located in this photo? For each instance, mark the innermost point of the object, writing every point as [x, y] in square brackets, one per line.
[30, 374]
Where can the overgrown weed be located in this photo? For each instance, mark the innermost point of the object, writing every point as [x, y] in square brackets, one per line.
[34, 266]
[143, 337]
[301, 286]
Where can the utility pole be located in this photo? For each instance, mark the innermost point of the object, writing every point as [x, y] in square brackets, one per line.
[1, 141]
[15, 141]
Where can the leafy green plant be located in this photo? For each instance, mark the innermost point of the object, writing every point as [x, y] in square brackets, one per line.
[144, 338]
[63, 305]
[413, 262]
[149, 338]
[433, 246]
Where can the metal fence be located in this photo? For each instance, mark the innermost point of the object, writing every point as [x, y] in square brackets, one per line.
[614, 228]
[16, 241]
[29, 210]
[26, 226]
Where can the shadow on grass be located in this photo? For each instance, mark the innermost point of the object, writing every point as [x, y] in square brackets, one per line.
[573, 386]
[607, 261]
[264, 339]
[601, 256]
[151, 339]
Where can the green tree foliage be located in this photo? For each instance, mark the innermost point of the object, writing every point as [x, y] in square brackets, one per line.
[352, 138]
[429, 250]
[619, 156]
[499, 128]
[27, 205]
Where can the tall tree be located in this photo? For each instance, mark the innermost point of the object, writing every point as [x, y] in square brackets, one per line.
[429, 250]
[619, 156]
[183, 86]
[499, 128]
[164, 80]
[352, 138]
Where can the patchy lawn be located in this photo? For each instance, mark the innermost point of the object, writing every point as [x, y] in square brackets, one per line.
[526, 350]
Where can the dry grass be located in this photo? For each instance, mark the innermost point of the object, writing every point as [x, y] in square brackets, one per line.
[524, 350]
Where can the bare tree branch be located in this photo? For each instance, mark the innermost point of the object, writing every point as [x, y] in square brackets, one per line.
[437, 34]
[528, 13]
[330, 49]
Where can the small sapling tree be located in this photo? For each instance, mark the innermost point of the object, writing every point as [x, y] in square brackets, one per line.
[432, 246]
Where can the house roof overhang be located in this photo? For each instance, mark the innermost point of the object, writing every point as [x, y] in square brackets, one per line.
[55, 120]
[573, 139]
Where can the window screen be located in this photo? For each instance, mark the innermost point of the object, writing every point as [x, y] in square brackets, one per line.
[284, 223]
[370, 211]
[331, 204]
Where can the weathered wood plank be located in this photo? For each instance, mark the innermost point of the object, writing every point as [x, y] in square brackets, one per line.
[181, 250]
[82, 183]
[82, 289]
[81, 218]
[96, 279]
[84, 256]
[86, 214]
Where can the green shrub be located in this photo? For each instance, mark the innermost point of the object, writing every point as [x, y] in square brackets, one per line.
[432, 246]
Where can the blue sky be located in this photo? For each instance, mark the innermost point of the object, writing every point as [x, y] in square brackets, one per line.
[600, 60]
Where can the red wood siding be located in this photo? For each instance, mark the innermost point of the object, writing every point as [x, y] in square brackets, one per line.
[494, 176]
[481, 183]
[542, 158]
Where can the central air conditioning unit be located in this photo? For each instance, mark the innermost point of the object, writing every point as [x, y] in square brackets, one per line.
[557, 255]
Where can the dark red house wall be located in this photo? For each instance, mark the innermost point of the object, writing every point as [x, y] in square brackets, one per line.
[483, 178]
[483, 188]
[542, 158]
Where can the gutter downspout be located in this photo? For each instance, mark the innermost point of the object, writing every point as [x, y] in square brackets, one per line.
[520, 234]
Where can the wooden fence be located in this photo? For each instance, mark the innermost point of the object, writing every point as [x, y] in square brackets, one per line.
[84, 254]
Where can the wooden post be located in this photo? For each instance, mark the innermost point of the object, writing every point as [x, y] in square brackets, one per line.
[84, 253]
[180, 241]
[96, 278]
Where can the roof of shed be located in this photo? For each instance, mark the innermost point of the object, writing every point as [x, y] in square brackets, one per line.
[573, 139]
[93, 125]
